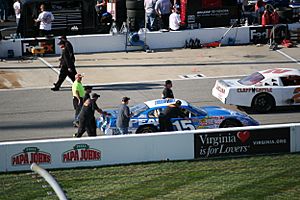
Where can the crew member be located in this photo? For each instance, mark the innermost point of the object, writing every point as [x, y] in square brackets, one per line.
[163, 10]
[172, 111]
[123, 116]
[87, 121]
[167, 92]
[78, 94]
[67, 67]
[68, 47]
[174, 20]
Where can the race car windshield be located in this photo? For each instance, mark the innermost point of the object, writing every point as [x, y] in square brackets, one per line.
[138, 108]
[252, 79]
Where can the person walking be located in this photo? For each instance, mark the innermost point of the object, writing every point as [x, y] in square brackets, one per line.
[17, 8]
[45, 18]
[163, 10]
[67, 66]
[87, 120]
[172, 111]
[167, 92]
[69, 47]
[123, 116]
[149, 6]
[78, 94]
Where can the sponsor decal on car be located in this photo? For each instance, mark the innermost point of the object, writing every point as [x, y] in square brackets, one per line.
[246, 90]
[31, 155]
[81, 153]
[241, 142]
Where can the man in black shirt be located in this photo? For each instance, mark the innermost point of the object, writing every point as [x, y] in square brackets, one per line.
[67, 67]
[69, 47]
[87, 121]
[172, 111]
[167, 92]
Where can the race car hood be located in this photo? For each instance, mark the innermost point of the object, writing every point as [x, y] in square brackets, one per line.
[218, 111]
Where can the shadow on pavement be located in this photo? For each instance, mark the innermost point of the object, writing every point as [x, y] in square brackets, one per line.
[38, 125]
[277, 110]
[128, 86]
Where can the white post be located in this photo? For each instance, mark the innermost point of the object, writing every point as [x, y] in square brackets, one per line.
[52, 182]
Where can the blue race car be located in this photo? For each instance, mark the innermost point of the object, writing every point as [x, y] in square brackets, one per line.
[145, 118]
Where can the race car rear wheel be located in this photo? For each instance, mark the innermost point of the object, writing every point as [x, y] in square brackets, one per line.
[146, 129]
[263, 103]
[228, 123]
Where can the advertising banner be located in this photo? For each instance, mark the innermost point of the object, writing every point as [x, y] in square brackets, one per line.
[47, 44]
[249, 142]
[260, 34]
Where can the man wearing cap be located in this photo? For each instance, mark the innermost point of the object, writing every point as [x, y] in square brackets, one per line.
[67, 67]
[167, 92]
[78, 94]
[87, 121]
[123, 116]
[172, 111]
[69, 47]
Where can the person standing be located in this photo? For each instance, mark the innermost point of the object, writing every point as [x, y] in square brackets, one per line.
[163, 10]
[172, 111]
[167, 92]
[45, 18]
[67, 67]
[174, 20]
[123, 116]
[3, 10]
[149, 6]
[17, 8]
[78, 94]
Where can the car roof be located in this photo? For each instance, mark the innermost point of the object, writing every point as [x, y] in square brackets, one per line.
[279, 72]
[164, 102]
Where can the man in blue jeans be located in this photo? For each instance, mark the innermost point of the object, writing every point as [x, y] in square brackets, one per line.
[123, 116]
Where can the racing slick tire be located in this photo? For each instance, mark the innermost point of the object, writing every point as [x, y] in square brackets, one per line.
[146, 129]
[229, 123]
[263, 103]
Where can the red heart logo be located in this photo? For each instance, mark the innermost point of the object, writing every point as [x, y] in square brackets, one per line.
[243, 136]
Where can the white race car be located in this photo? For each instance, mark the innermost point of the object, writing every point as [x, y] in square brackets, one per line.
[262, 90]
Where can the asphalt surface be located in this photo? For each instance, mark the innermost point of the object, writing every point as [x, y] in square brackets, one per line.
[30, 110]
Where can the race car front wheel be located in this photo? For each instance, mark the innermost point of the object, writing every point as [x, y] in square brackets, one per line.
[263, 103]
[228, 123]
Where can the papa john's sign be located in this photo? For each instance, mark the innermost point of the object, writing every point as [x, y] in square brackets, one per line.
[235, 143]
[31, 155]
[81, 153]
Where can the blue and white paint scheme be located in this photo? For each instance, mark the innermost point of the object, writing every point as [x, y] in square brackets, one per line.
[145, 118]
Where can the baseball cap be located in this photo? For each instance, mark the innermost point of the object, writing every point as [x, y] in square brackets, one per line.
[63, 37]
[168, 82]
[178, 102]
[78, 75]
[94, 95]
[61, 42]
[125, 99]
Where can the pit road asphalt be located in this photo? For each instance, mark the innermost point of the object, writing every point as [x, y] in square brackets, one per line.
[30, 110]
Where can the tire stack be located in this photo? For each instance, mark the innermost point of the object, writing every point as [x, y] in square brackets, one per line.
[135, 14]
